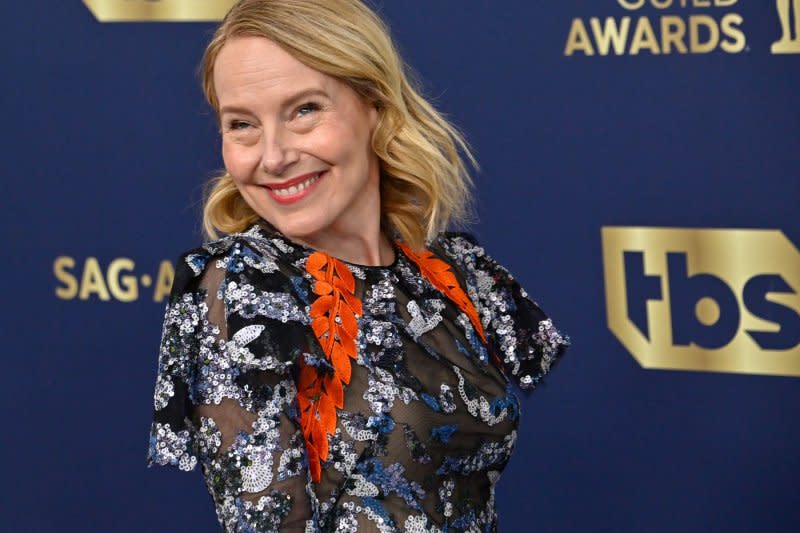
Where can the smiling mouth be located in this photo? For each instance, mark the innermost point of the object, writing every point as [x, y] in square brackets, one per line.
[296, 188]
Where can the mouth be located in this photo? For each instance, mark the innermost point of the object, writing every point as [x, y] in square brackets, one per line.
[295, 189]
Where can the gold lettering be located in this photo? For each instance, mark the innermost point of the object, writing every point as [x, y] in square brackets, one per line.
[164, 279]
[161, 10]
[578, 39]
[730, 28]
[631, 6]
[610, 33]
[661, 4]
[92, 281]
[673, 32]
[768, 251]
[70, 288]
[127, 290]
[696, 46]
[644, 37]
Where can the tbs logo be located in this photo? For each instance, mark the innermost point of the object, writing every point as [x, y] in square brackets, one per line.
[705, 299]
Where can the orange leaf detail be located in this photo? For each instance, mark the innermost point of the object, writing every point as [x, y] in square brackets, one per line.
[320, 394]
[316, 262]
[336, 392]
[353, 303]
[348, 342]
[322, 287]
[327, 412]
[322, 305]
[439, 274]
[349, 322]
[320, 326]
[341, 363]
[345, 277]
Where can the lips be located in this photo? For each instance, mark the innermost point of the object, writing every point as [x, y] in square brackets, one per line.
[295, 189]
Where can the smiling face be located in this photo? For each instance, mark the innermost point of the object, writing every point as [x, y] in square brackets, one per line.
[296, 143]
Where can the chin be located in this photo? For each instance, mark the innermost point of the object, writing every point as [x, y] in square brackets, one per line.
[298, 228]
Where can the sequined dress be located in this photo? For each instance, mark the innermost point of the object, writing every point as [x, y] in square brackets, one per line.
[303, 416]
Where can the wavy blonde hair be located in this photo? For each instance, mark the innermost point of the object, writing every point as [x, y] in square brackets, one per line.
[425, 185]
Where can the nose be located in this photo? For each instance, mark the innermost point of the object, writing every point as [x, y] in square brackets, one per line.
[278, 152]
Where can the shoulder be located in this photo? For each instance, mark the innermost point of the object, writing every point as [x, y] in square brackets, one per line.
[457, 246]
[247, 290]
[464, 251]
[521, 334]
[231, 254]
[453, 240]
[487, 282]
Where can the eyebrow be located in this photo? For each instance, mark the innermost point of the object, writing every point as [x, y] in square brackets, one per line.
[288, 102]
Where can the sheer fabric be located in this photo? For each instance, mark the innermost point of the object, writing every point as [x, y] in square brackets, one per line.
[429, 417]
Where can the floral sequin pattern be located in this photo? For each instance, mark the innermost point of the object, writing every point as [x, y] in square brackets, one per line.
[319, 396]
[524, 336]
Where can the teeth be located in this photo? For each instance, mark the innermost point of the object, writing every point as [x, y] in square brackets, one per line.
[294, 189]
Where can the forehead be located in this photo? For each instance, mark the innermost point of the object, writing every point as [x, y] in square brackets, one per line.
[247, 65]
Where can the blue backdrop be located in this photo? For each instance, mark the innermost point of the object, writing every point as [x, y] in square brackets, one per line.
[108, 142]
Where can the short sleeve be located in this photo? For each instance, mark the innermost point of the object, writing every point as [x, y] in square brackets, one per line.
[519, 333]
[225, 392]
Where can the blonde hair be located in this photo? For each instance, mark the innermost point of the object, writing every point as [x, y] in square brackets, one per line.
[425, 185]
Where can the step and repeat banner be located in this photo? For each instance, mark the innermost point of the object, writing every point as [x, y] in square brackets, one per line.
[640, 174]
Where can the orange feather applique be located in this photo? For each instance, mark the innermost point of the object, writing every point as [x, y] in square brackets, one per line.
[439, 274]
[334, 319]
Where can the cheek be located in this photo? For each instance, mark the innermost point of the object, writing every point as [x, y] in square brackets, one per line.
[343, 146]
[229, 157]
[322, 144]
[239, 160]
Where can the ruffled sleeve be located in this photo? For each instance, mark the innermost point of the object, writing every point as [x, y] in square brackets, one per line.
[225, 394]
[519, 333]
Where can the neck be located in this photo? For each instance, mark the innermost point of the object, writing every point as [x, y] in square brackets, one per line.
[368, 248]
[356, 237]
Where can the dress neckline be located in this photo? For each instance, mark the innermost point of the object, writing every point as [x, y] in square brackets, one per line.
[268, 230]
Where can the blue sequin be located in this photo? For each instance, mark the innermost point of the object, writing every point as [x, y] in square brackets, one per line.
[383, 423]
[432, 402]
[444, 433]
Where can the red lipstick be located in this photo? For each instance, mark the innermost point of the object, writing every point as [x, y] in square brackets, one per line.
[302, 185]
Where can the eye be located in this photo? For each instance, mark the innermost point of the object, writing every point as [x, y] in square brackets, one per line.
[306, 109]
[237, 125]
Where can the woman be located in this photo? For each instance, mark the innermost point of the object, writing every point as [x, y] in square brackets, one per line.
[337, 362]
